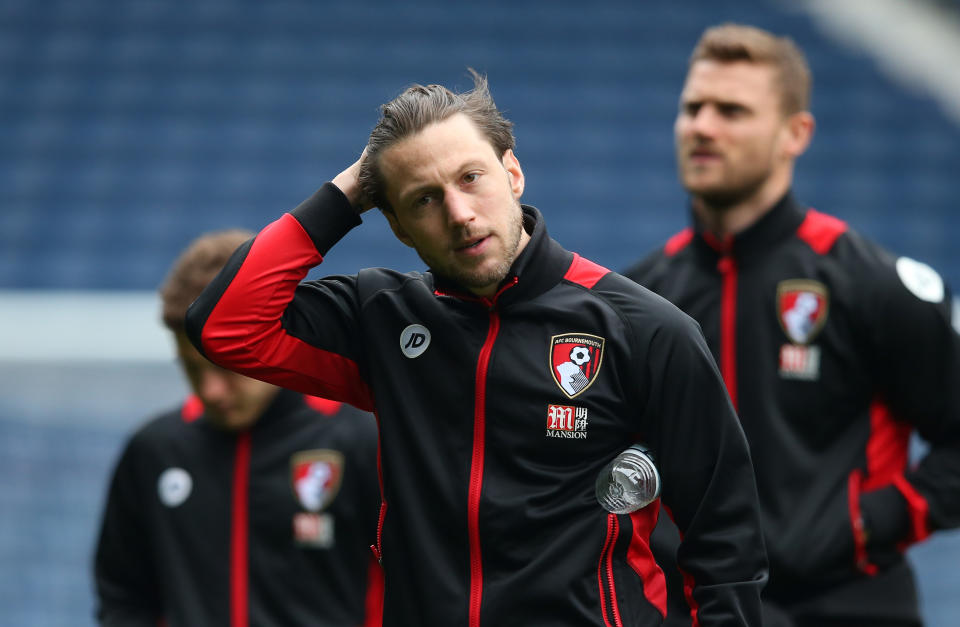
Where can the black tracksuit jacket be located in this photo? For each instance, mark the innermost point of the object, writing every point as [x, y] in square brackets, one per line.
[491, 438]
[833, 351]
[205, 527]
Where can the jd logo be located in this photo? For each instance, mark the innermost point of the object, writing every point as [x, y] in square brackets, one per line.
[414, 340]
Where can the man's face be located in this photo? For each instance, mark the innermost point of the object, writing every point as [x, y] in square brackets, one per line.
[729, 131]
[231, 401]
[456, 202]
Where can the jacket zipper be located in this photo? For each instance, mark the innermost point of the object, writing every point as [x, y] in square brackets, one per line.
[239, 534]
[728, 325]
[608, 590]
[377, 547]
[476, 462]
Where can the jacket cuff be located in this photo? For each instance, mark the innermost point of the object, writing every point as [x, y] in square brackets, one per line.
[326, 217]
[885, 516]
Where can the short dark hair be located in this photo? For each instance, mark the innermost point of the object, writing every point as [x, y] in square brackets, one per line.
[418, 107]
[727, 43]
[193, 270]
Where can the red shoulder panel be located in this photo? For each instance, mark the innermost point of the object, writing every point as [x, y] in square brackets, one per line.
[325, 406]
[192, 408]
[678, 242]
[585, 272]
[821, 231]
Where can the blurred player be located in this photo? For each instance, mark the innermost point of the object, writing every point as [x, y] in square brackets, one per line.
[247, 505]
[833, 350]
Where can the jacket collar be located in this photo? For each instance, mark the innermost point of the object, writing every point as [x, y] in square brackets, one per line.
[777, 224]
[540, 265]
[284, 404]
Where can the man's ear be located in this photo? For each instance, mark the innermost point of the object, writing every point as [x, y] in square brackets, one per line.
[799, 132]
[396, 228]
[514, 172]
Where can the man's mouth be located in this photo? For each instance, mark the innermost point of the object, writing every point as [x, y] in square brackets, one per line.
[473, 243]
[473, 246]
[703, 153]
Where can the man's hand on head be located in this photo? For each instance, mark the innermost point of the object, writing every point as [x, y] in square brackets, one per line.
[348, 183]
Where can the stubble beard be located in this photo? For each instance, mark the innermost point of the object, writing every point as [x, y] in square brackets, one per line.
[726, 195]
[478, 279]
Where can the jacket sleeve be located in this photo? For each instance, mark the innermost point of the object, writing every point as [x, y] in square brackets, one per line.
[124, 573]
[257, 318]
[709, 487]
[916, 352]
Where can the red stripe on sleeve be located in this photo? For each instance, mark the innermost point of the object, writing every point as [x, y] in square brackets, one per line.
[887, 447]
[821, 231]
[250, 339]
[919, 511]
[640, 557]
[584, 272]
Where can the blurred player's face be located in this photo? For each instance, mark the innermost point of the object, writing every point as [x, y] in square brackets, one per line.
[456, 202]
[732, 138]
[231, 401]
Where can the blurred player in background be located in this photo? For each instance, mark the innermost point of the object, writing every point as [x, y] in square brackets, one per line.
[833, 350]
[504, 380]
[247, 505]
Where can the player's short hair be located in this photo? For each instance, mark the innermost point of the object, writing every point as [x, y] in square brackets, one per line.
[193, 270]
[418, 107]
[728, 43]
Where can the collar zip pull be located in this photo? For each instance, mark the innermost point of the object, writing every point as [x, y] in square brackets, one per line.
[725, 265]
[492, 302]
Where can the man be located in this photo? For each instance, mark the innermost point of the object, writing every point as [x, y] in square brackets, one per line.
[248, 505]
[490, 443]
[833, 350]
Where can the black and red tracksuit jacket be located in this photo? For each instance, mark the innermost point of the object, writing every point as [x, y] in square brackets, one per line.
[496, 416]
[834, 351]
[267, 527]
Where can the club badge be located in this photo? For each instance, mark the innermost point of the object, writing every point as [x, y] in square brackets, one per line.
[802, 307]
[316, 477]
[575, 360]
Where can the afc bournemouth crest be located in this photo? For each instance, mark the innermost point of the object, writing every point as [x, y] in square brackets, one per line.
[802, 307]
[575, 360]
[316, 477]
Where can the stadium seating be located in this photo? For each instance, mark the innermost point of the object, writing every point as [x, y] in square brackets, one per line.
[129, 127]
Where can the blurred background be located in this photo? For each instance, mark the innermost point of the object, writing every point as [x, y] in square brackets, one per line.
[129, 127]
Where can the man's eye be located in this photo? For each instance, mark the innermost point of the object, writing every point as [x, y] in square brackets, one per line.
[423, 201]
[730, 110]
[470, 177]
[691, 108]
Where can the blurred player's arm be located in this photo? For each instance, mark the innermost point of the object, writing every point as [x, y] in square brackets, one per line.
[918, 366]
[126, 588]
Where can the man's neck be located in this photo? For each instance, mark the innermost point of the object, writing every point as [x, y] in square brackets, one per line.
[729, 220]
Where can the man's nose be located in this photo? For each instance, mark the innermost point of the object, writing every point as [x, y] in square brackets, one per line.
[459, 208]
[704, 122]
[213, 386]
